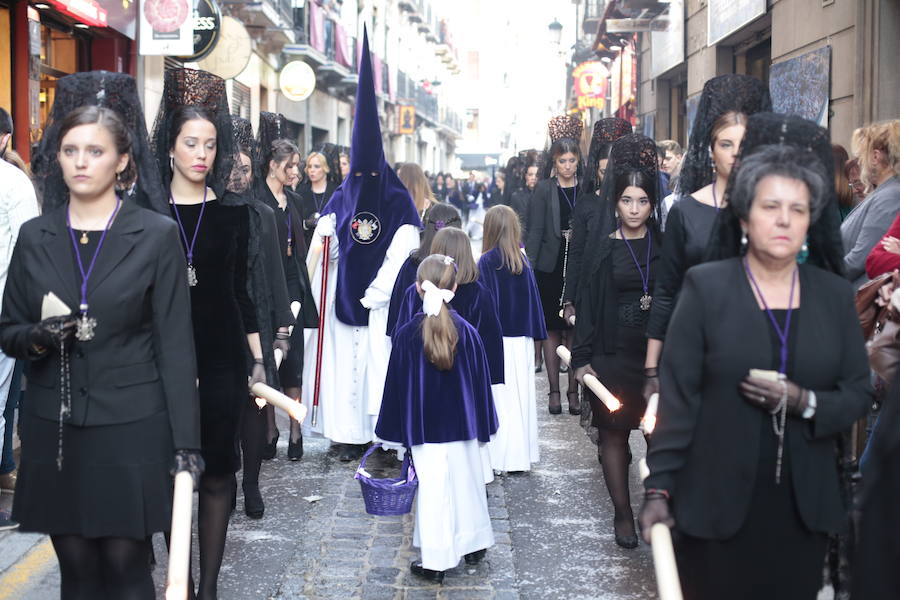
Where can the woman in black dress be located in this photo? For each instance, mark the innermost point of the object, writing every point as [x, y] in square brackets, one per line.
[194, 145]
[763, 371]
[97, 452]
[610, 332]
[314, 192]
[547, 246]
[279, 162]
[719, 127]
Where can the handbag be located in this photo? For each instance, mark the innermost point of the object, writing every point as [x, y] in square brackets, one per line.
[869, 312]
[884, 345]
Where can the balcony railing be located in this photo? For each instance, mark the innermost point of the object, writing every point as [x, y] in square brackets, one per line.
[318, 29]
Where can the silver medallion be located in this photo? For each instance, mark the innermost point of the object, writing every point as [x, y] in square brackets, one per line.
[192, 275]
[84, 328]
[646, 299]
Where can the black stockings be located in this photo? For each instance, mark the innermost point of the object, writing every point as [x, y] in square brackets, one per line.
[271, 427]
[253, 430]
[614, 456]
[294, 393]
[551, 359]
[216, 493]
[104, 568]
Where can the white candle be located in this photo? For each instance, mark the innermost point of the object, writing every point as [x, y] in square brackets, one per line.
[612, 403]
[648, 422]
[180, 539]
[663, 553]
[265, 394]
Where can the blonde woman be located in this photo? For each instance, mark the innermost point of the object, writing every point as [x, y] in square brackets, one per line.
[314, 192]
[414, 180]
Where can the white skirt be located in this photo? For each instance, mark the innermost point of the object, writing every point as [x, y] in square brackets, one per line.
[515, 447]
[452, 517]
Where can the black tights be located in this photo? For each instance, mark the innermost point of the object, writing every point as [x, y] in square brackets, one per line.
[216, 493]
[551, 359]
[614, 457]
[110, 567]
[253, 431]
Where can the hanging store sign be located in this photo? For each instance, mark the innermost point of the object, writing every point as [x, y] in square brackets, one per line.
[207, 25]
[591, 81]
[88, 12]
[406, 121]
[232, 52]
[724, 17]
[297, 81]
[166, 28]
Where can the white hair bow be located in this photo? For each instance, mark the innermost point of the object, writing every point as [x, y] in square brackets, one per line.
[433, 298]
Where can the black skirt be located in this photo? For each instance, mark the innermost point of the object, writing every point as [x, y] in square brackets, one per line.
[114, 482]
[623, 375]
[550, 289]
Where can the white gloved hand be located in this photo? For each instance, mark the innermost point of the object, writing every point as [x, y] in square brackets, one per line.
[326, 225]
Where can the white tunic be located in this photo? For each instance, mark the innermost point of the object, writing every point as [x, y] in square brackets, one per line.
[452, 517]
[515, 445]
[354, 359]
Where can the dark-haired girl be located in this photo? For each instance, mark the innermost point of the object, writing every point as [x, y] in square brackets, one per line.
[96, 453]
[610, 332]
[547, 245]
[194, 148]
[444, 420]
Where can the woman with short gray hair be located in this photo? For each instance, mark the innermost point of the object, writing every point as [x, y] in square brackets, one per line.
[763, 368]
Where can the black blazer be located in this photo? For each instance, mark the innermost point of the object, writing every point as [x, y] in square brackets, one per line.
[705, 448]
[141, 360]
[306, 204]
[543, 237]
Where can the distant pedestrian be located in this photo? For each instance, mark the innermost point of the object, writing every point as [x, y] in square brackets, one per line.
[521, 198]
[438, 405]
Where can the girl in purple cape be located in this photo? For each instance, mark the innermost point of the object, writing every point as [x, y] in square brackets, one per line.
[437, 402]
[505, 272]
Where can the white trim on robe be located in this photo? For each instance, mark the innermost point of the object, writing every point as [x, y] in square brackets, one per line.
[515, 446]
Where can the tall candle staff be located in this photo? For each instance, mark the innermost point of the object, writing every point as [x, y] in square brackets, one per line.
[592, 383]
[326, 255]
[667, 580]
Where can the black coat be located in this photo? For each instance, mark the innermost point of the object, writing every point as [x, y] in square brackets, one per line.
[543, 238]
[306, 204]
[141, 360]
[705, 448]
[584, 219]
[519, 201]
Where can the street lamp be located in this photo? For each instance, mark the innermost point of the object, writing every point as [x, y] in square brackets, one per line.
[555, 29]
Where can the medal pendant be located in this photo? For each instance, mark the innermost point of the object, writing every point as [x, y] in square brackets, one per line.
[290, 252]
[191, 276]
[646, 299]
[84, 238]
[84, 328]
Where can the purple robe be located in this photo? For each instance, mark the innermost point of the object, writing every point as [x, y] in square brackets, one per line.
[422, 404]
[522, 315]
[405, 278]
[475, 304]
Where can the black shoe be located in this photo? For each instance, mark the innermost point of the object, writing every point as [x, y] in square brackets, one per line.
[573, 409]
[348, 452]
[271, 448]
[627, 541]
[473, 558]
[253, 502]
[295, 449]
[418, 570]
[7, 523]
[554, 409]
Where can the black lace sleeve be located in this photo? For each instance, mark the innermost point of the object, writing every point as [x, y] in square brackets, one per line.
[672, 267]
[241, 267]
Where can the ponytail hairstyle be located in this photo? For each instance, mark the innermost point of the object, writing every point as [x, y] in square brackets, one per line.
[455, 243]
[502, 230]
[439, 334]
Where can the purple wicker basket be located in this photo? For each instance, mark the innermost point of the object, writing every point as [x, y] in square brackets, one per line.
[387, 497]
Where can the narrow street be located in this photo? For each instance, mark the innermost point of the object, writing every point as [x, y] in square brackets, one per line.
[553, 528]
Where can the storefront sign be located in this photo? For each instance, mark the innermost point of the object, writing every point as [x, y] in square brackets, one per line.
[724, 17]
[591, 81]
[406, 122]
[88, 12]
[166, 28]
[207, 21]
[232, 52]
[667, 45]
[297, 81]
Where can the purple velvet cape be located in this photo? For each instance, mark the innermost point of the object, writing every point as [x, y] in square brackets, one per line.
[424, 405]
[522, 315]
[405, 278]
[371, 189]
[476, 305]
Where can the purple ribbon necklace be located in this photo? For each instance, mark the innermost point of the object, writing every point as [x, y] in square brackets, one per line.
[85, 325]
[189, 247]
[646, 299]
[779, 415]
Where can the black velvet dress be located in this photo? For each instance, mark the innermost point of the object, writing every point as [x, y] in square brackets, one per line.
[550, 285]
[222, 315]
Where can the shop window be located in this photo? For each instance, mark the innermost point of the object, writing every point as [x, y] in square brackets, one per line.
[240, 100]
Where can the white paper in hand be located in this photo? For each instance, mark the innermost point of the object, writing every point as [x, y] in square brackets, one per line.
[52, 306]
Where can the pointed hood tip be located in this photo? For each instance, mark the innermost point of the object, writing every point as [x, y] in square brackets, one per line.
[366, 148]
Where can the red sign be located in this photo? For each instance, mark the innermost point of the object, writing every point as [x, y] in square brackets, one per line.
[88, 12]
